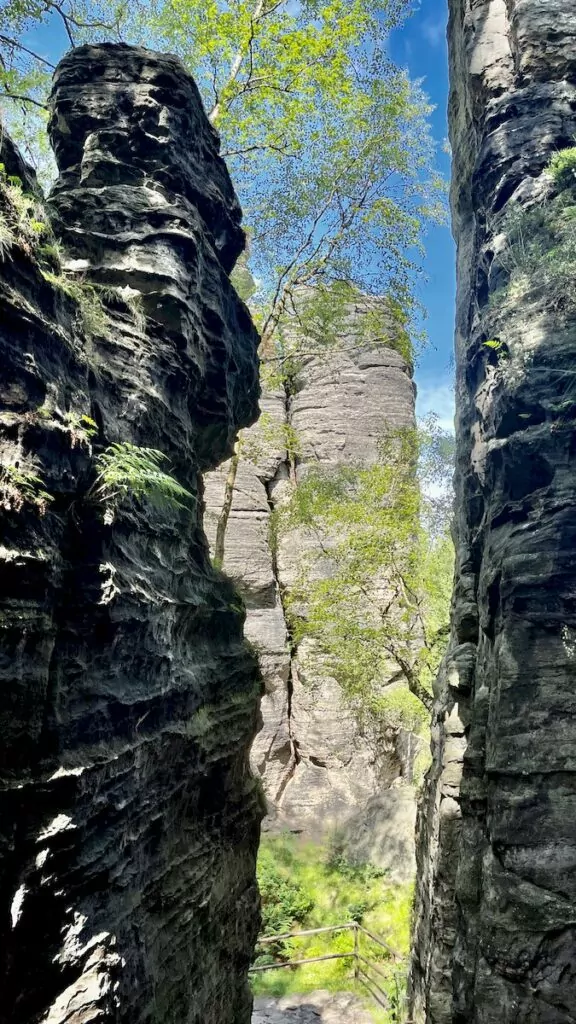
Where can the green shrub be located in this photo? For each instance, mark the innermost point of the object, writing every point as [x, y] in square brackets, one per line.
[305, 885]
[95, 319]
[562, 167]
[23, 218]
[284, 900]
[539, 257]
[400, 709]
[7, 237]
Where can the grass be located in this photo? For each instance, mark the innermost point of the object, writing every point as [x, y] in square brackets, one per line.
[305, 885]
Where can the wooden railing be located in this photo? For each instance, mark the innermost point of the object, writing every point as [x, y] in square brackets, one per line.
[362, 964]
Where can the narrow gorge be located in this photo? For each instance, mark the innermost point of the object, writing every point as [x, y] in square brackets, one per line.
[225, 570]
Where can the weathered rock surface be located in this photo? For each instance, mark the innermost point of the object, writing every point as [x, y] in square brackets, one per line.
[128, 701]
[495, 932]
[314, 1008]
[319, 769]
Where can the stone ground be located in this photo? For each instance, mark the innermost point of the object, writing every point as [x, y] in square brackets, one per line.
[313, 1008]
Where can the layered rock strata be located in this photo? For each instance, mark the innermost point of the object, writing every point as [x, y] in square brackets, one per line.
[128, 700]
[495, 932]
[319, 768]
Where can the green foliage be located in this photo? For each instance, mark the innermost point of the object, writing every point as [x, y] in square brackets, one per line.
[7, 237]
[51, 253]
[129, 472]
[336, 891]
[19, 487]
[81, 428]
[327, 140]
[401, 709]
[563, 167]
[374, 593]
[284, 902]
[270, 434]
[539, 256]
[94, 317]
[22, 217]
[330, 317]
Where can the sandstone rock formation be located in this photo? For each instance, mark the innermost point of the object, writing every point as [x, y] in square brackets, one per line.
[495, 935]
[128, 701]
[319, 769]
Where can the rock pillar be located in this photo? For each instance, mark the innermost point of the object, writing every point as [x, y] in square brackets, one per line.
[129, 818]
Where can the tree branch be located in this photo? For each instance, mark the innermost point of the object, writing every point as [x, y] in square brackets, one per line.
[17, 97]
[20, 46]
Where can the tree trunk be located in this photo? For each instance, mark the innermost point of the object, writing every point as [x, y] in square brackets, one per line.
[224, 516]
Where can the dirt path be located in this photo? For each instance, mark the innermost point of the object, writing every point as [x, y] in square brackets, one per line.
[314, 1008]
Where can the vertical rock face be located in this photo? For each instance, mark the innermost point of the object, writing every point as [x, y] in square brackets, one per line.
[320, 770]
[128, 701]
[495, 931]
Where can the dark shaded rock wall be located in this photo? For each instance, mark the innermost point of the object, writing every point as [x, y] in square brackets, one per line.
[128, 815]
[495, 928]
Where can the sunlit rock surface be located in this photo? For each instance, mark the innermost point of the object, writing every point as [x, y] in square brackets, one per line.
[314, 1008]
[128, 701]
[320, 770]
[495, 929]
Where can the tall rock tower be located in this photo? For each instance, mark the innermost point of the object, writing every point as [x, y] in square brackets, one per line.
[495, 931]
[321, 770]
[129, 818]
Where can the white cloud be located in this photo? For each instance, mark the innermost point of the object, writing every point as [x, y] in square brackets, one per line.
[437, 396]
[434, 32]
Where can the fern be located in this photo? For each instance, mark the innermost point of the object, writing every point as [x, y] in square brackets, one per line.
[127, 471]
[19, 487]
[7, 238]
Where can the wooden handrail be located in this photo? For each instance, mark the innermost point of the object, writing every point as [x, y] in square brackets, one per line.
[307, 960]
[361, 962]
[381, 998]
[376, 938]
[372, 966]
[309, 931]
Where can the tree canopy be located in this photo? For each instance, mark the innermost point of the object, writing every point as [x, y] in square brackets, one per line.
[326, 139]
[374, 590]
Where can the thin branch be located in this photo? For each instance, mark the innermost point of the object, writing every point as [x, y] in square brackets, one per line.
[17, 97]
[64, 18]
[20, 46]
[264, 146]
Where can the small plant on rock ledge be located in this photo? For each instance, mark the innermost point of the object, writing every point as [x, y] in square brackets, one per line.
[562, 167]
[20, 487]
[127, 471]
[95, 319]
[22, 217]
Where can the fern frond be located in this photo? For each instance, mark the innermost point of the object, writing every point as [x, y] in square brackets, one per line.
[128, 471]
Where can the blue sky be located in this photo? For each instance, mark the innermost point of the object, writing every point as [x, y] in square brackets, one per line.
[420, 46]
